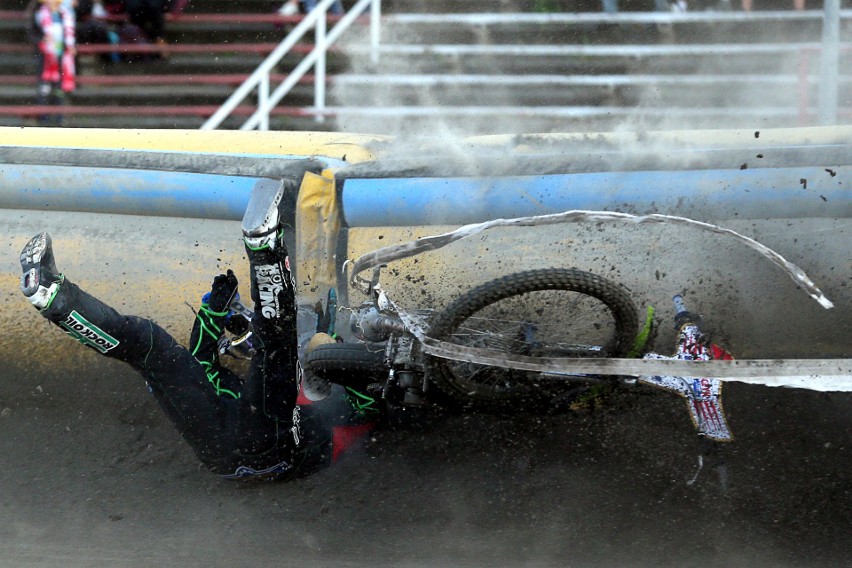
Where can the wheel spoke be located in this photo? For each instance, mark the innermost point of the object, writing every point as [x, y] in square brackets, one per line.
[550, 313]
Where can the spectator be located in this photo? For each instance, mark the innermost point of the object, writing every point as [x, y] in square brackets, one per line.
[611, 6]
[148, 15]
[92, 27]
[56, 29]
[112, 7]
[292, 7]
[336, 8]
[176, 7]
[747, 5]
[289, 8]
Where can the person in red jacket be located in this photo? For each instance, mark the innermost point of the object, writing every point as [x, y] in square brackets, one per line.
[55, 24]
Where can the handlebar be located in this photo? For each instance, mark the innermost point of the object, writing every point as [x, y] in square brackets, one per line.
[240, 308]
[683, 316]
[680, 307]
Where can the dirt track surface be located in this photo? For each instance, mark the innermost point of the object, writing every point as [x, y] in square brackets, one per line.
[94, 475]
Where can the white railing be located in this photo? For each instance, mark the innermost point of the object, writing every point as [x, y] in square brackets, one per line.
[260, 79]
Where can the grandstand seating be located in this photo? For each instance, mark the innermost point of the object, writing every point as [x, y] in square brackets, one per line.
[212, 48]
[479, 65]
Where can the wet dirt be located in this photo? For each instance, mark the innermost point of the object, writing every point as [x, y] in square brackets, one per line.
[95, 475]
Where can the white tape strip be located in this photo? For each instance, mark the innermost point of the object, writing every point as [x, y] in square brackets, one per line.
[814, 374]
[411, 248]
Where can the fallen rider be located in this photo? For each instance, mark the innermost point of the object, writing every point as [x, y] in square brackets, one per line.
[257, 427]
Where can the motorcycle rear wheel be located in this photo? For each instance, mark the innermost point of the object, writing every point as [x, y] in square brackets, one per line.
[552, 312]
[348, 364]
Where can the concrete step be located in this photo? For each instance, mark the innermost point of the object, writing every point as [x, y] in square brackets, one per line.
[217, 6]
[547, 6]
[596, 28]
[405, 121]
[455, 64]
[465, 6]
[689, 59]
[234, 6]
[673, 91]
[186, 63]
[133, 96]
[293, 118]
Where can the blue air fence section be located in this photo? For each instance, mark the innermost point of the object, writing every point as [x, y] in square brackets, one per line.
[766, 193]
[134, 182]
[130, 192]
[799, 192]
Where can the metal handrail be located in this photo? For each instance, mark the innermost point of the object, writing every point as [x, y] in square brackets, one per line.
[260, 79]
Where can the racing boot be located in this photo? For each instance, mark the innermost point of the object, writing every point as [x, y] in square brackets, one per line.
[272, 287]
[40, 281]
[261, 224]
[273, 294]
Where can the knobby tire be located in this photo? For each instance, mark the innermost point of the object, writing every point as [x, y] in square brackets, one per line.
[348, 364]
[522, 390]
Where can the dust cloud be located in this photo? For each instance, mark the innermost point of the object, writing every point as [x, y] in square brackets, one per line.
[693, 84]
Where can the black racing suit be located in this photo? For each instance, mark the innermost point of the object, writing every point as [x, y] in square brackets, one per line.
[237, 429]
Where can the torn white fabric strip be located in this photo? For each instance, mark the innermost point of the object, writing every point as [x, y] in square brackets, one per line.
[433, 242]
[814, 374]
